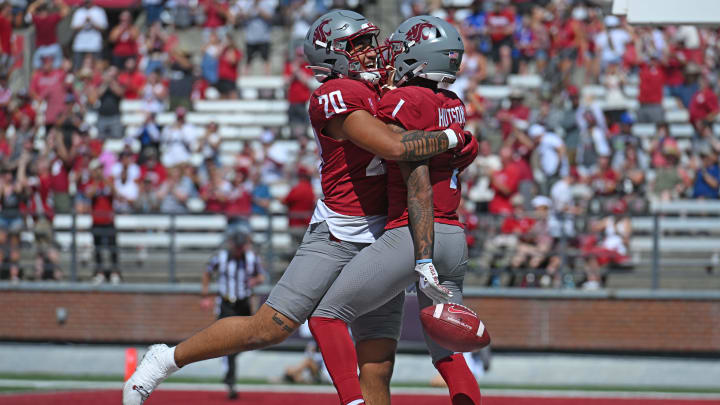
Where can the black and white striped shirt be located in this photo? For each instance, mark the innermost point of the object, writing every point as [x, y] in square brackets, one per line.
[233, 274]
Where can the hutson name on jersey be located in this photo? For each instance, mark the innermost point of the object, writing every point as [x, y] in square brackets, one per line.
[447, 116]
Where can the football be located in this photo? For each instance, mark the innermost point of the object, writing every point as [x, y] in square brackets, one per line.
[455, 327]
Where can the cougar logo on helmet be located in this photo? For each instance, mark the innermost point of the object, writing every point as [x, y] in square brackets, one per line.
[320, 33]
[418, 33]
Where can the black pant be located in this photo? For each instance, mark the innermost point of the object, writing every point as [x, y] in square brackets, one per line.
[104, 237]
[237, 308]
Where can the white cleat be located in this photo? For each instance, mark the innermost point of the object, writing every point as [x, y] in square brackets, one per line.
[154, 368]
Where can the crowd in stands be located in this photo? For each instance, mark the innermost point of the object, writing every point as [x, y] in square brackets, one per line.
[562, 163]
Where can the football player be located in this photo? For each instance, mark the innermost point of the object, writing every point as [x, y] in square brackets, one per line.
[427, 52]
[342, 48]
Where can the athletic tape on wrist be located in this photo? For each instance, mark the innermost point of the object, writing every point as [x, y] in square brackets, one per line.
[452, 138]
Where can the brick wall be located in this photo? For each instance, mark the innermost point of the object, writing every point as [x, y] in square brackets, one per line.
[514, 322]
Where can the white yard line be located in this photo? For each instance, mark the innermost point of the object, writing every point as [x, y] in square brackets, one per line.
[105, 385]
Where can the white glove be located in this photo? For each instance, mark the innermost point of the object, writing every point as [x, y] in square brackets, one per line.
[429, 284]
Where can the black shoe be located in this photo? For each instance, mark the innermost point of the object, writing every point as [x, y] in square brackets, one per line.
[232, 394]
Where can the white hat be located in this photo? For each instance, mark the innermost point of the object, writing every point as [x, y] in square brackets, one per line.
[541, 201]
[611, 21]
[536, 130]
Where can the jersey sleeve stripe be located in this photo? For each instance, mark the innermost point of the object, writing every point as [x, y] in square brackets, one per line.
[398, 107]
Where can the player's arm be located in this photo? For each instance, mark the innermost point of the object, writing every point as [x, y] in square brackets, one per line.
[421, 217]
[371, 134]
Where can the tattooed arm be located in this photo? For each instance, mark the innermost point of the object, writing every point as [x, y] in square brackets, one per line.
[371, 134]
[420, 204]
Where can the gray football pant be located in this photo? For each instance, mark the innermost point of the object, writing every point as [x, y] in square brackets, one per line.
[316, 265]
[379, 274]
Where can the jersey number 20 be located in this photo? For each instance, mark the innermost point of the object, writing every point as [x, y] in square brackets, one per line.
[334, 98]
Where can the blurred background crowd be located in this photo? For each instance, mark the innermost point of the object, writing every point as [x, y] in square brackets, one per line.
[582, 119]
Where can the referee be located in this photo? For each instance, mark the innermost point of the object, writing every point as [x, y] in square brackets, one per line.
[237, 270]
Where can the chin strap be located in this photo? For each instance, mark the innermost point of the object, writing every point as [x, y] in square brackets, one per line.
[411, 74]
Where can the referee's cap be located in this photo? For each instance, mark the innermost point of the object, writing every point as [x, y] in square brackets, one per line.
[239, 235]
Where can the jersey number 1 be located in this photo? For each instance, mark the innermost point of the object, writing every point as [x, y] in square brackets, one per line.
[335, 98]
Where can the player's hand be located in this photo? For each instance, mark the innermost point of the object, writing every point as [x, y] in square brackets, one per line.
[467, 154]
[429, 283]
[461, 135]
[390, 83]
[206, 303]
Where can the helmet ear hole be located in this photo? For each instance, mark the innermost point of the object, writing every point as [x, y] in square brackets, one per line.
[410, 62]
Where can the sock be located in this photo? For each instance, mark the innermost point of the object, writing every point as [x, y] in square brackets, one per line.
[168, 359]
[461, 382]
[338, 351]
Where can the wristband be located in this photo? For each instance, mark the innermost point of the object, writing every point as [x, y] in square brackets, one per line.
[423, 261]
[452, 138]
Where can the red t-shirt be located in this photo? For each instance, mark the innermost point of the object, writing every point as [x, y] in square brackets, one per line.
[5, 35]
[213, 19]
[498, 22]
[229, 70]
[421, 108]
[300, 202]
[133, 83]
[513, 224]
[212, 201]
[102, 203]
[46, 29]
[510, 177]
[601, 180]
[652, 81]
[239, 203]
[157, 174]
[298, 92]
[59, 176]
[520, 112]
[125, 45]
[703, 103]
[353, 179]
[673, 69]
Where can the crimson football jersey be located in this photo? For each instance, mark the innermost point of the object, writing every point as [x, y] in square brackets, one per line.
[353, 179]
[420, 108]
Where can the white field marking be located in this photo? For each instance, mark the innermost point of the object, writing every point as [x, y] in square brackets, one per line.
[505, 392]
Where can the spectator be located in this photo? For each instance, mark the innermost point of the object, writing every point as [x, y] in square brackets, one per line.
[604, 180]
[217, 15]
[593, 145]
[662, 146]
[517, 111]
[181, 80]
[153, 9]
[88, 22]
[505, 183]
[131, 79]
[211, 59]
[671, 180]
[501, 26]
[126, 191]
[239, 204]
[215, 193]
[533, 246]
[124, 36]
[12, 194]
[147, 201]
[175, 192]
[5, 37]
[209, 144]
[570, 124]
[260, 194]
[612, 249]
[552, 156]
[47, 254]
[610, 44]
[652, 81]
[149, 136]
[46, 21]
[110, 95]
[127, 165]
[707, 177]
[48, 85]
[704, 105]
[102, 193]
[300, 203]
[299, 79]
[154, 93]
[257, 15]
[151, 169]
[229, 61]
[61, 165]
[178, 140]
[156, 46]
